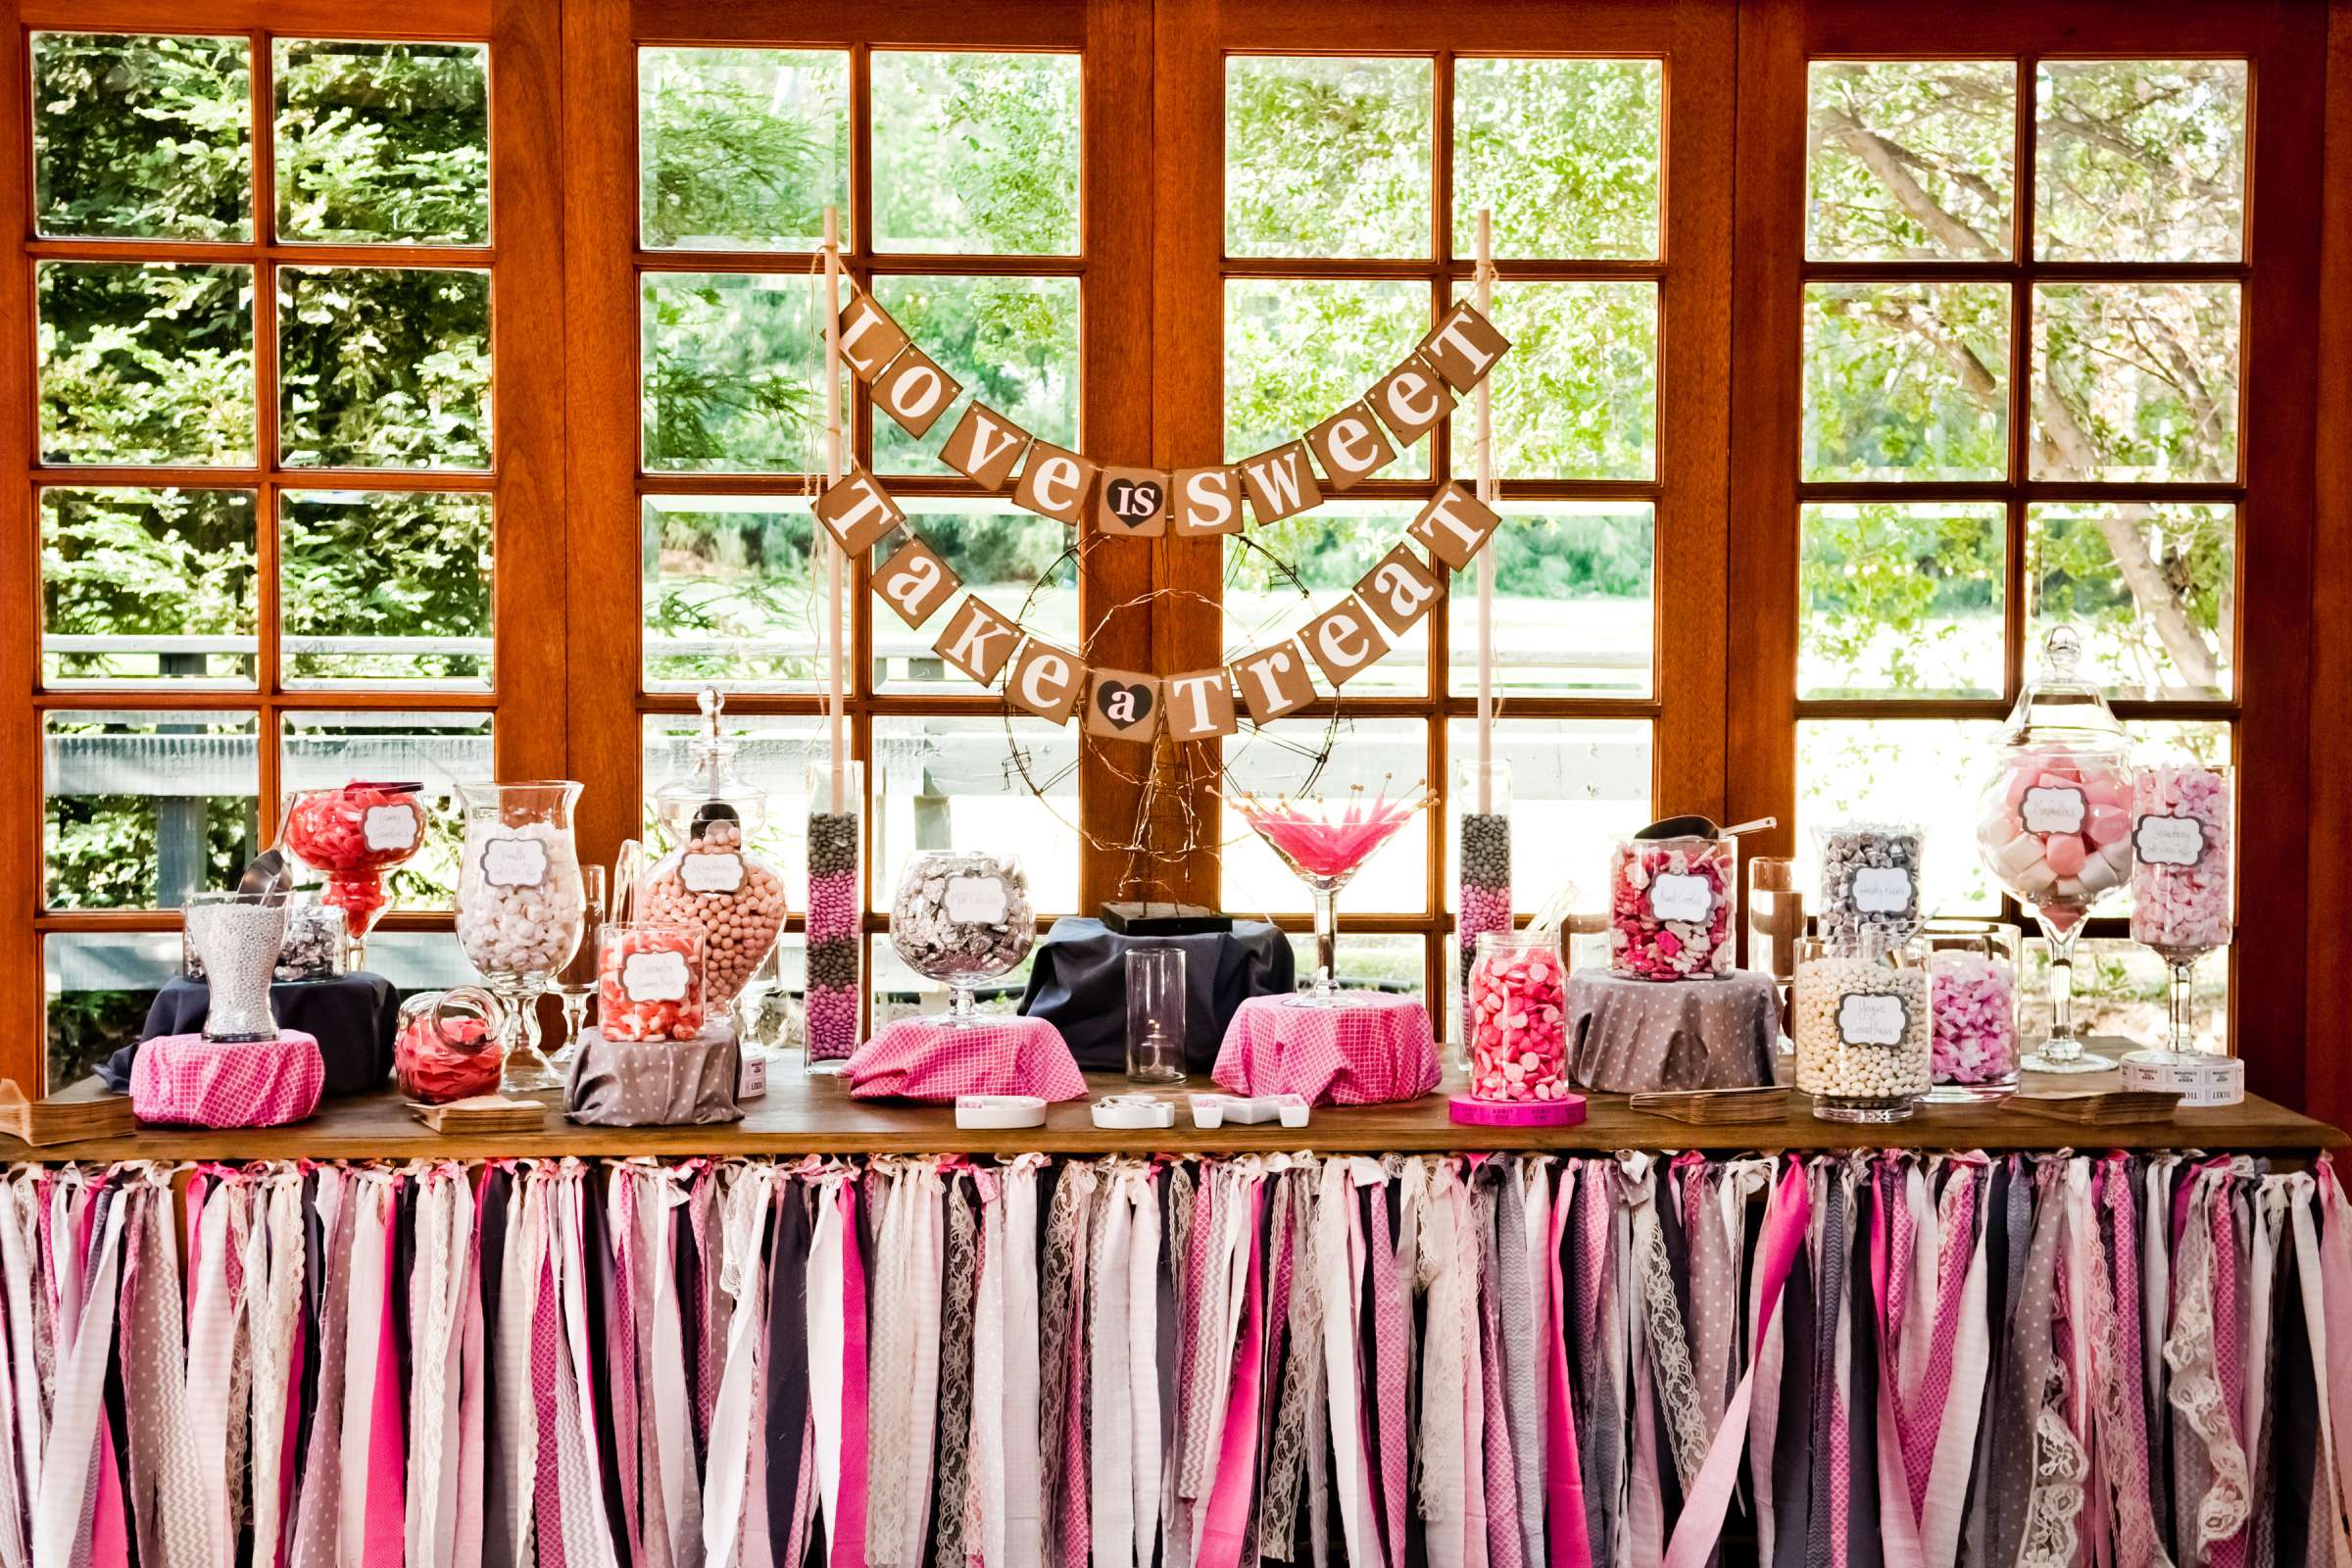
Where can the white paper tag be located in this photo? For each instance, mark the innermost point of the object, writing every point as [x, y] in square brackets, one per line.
[2161, 839]
[976, 900]
[514, 862]
[712, 872]
[1680, 896]
[2053, 808]
[752, 1081]
[390, 827]
[1882, 889]
[1866, 1018]
[654, 976]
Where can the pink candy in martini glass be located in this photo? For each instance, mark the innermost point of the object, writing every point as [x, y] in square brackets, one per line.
[1325, 843]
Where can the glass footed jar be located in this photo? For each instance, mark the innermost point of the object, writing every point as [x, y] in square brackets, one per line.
[2181, 878]
[520, 907]
[962, 918]
[2054, 823]
[1518, 1030]
[237, 937]
[711, 878]
[351, 835]
[447, 1045]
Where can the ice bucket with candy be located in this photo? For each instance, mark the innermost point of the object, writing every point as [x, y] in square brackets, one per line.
[2054, 825]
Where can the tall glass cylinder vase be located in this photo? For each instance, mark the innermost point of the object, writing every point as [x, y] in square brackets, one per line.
[836, 931]
[2181, 878]
[1482, 868]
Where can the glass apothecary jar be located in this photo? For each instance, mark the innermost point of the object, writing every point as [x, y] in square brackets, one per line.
[961, 917]
[1858, 1014]
[1518, 1031]
[520, 907]
[710, 877]
[1669, 906]
[447, 1046]
[651, 980]
[1972, 978]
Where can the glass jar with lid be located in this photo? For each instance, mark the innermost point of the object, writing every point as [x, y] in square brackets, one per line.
[962, 918]
[711, 878]
[2054, 823]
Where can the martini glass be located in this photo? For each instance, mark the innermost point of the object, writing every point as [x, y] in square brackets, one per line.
[1325, 843]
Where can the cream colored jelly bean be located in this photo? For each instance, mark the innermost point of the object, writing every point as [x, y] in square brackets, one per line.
[506, 924]
[1862, 1031]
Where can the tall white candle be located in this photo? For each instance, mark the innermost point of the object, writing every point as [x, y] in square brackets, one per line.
[1483, 290]
[834, 562]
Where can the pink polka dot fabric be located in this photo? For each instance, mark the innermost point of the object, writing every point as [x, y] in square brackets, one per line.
[1370, 1050]
[189, 1081]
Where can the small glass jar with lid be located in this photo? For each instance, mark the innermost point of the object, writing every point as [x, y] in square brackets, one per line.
[1518, 1030]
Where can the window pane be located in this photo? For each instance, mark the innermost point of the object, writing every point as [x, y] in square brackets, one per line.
[1911, 160]
[1577, 396]
[383, 141]
[1573, 613]
[1281, 576]
[1902, 601]
[2135, 381]
[385, 586]
[771, 755]
[145, 808]
[1368, 753]
[142, 136]
[1576, 785]
[2140, 159]
[742, 149]
[976, 153]
[1011, 341]
[99, 985]
[147, 585]
[734, 375]
[1295, 353]
[1906, 380]
[1397, 965]
[383, 367]
[146, 364]
[1566, 152]
[1327, 157]
[945, 783]
[2119, 991]
[328, 750]
[1924, 771]
[2153, 588]
[1020, 562]
[732, 597]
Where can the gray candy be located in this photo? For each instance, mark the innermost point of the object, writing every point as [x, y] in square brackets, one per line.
[1846, 853]
[1487, 849]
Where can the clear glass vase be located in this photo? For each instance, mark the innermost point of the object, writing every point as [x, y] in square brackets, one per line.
[835, 902]
[521, 908]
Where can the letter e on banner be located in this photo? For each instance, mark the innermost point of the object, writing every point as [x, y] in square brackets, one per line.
[1045, 681]
[1055, 483]
[1411, 399]
[1344, 640]
[1351, 446]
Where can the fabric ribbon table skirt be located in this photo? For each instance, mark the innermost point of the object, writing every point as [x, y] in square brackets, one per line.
[922, 1059]
[1632, 1036]
[1371, 1049]
[1873, 1359]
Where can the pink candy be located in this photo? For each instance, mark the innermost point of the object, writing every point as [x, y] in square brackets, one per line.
[2053, 829]
[1519, 1033]
[1973, 1001]
[1670, 908]
[2181, 871]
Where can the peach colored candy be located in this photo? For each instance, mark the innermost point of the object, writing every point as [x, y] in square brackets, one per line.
[1519, 1042]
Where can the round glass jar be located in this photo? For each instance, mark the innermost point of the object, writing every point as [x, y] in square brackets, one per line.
[962, 918]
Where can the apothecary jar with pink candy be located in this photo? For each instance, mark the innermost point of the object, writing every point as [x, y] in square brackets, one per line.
[1517, 1017]
[1972, 1007]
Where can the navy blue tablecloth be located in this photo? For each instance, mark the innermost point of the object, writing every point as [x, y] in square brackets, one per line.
[1078, 984]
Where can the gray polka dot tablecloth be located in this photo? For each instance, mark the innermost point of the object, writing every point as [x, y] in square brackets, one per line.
[1629, 1036]
[655, 1083]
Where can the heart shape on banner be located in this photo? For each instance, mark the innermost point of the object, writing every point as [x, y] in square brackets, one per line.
[1122, 705]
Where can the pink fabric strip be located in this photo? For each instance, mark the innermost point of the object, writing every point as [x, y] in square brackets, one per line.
[1924, 1412]
[385, 1541]
[2229, 1352]
[849, 1551]
[1786, 1222]
[1391, 1330]
[1228, 1518]
[109, 1537]
[547, 1498]
[1570, 1540]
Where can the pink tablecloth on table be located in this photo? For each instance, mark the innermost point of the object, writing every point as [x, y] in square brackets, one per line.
[920, 1059]
[1370, 1050]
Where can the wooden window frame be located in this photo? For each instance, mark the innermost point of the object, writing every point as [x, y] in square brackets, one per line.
[524, 478]
[2277, 270]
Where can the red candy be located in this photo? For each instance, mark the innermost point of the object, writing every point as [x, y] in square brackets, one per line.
[648, 982]
[1518, 1029]
[353, 834]
[456, 1062]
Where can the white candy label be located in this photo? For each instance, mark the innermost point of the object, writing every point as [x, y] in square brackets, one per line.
[514, 862]
[2053, 808]
[1868, 1019]
[976, 900]
[2163, 840]
[1882, 889]
[390, 827]
[654, 976]
[713, 872]
[1680, 896]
